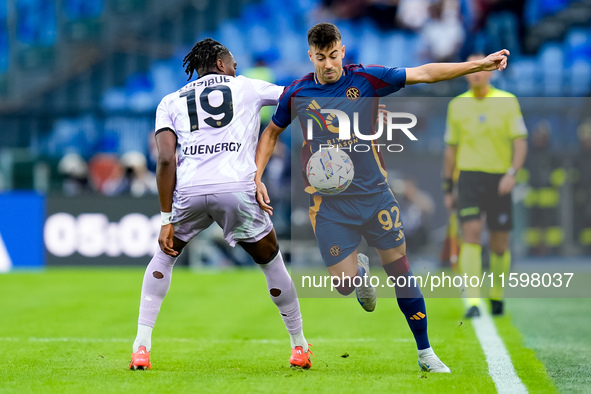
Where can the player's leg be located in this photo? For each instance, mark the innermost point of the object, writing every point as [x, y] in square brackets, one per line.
[352, 273]
[500, 263]
[281, 289]
[470, 190]
[470, 262]
[155, 285]
[383, 230]
[499, 221]
[335, 222]
[412, 304]
[189, 219]
[408, 294]
[246, 224]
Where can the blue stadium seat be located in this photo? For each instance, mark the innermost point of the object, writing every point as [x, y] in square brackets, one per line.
[372, 49]
[4, 42]
[577, 45]
[395, 50]
[36, 22]
[83, 9]
[523, 75]
[536, 10]
[551, 60]
[579, 78]
[114, 99]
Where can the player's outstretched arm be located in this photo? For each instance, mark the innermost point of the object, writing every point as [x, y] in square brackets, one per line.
[435, 72]
[166, 179]
[265, 149]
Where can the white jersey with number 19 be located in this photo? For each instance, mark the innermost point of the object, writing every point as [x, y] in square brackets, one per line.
[216, 120]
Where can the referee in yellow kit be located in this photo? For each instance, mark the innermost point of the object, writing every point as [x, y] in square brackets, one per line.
[486, 140]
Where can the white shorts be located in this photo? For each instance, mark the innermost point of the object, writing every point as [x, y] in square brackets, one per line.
[238, 214]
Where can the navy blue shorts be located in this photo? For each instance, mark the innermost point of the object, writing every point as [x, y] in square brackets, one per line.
[339, 222]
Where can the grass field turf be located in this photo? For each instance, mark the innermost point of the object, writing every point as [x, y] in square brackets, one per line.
[71, 330]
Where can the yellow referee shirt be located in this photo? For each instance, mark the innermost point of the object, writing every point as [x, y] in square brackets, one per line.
[484, 130]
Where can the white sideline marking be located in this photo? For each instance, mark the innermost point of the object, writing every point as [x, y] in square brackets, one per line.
[500, 367]
[194, 340]
[5, 262]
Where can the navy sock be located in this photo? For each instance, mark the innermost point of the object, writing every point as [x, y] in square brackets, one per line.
[410, 300]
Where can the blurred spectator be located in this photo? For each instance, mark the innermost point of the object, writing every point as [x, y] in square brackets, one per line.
[342, 9]
[137, 181]
[105, 174]
[262, 71]
[152, 152]
[546, 176]
[582, 187]
[75, 172]
[442, 35]
[129, 175]
[505, 25]
[412, 14]
[278, 174]
[383, 13]
[492, 24]
[416, 209]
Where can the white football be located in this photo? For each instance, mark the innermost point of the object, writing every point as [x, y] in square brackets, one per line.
[330, 171]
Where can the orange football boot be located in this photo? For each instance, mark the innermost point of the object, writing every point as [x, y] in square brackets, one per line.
[140, 359]
[300, 359]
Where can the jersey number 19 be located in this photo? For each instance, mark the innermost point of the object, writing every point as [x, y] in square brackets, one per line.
[226, 108]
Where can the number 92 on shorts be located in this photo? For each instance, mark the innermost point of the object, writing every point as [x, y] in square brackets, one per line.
[339, 222]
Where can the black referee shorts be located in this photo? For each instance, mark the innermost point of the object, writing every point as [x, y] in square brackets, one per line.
[478, 193]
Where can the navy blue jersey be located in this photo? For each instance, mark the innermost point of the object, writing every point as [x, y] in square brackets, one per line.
[358, 90]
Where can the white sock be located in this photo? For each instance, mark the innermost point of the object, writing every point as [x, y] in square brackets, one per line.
[299, 340]
[425, 352]
[143, 338]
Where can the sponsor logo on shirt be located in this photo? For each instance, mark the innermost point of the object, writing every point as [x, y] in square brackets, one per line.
[210, 149]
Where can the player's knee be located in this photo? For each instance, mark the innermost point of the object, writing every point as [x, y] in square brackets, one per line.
[266, 255]
[497, 247]
[398, 267]
[344, 287]
[473, 239]
[471, 234]
[499, 250]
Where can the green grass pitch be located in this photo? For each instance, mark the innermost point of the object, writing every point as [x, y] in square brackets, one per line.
[71, 331]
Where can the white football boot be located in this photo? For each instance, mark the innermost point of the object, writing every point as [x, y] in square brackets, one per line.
[366, 294]
[429, 362]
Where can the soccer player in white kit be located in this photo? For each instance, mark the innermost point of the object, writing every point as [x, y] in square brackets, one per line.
[215, 120]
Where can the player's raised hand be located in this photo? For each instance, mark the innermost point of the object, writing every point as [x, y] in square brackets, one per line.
[495, 61]
[165, 240]
[263, 198]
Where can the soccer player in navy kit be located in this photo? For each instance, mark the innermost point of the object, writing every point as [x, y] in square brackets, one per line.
[367, 208]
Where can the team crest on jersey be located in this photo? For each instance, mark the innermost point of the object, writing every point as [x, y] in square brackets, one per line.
[335, 250]
[353, 93]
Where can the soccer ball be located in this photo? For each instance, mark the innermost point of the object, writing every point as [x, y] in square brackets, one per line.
[330, 171]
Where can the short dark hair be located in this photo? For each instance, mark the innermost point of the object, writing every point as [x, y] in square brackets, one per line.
[323, 35]
[204, 56]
